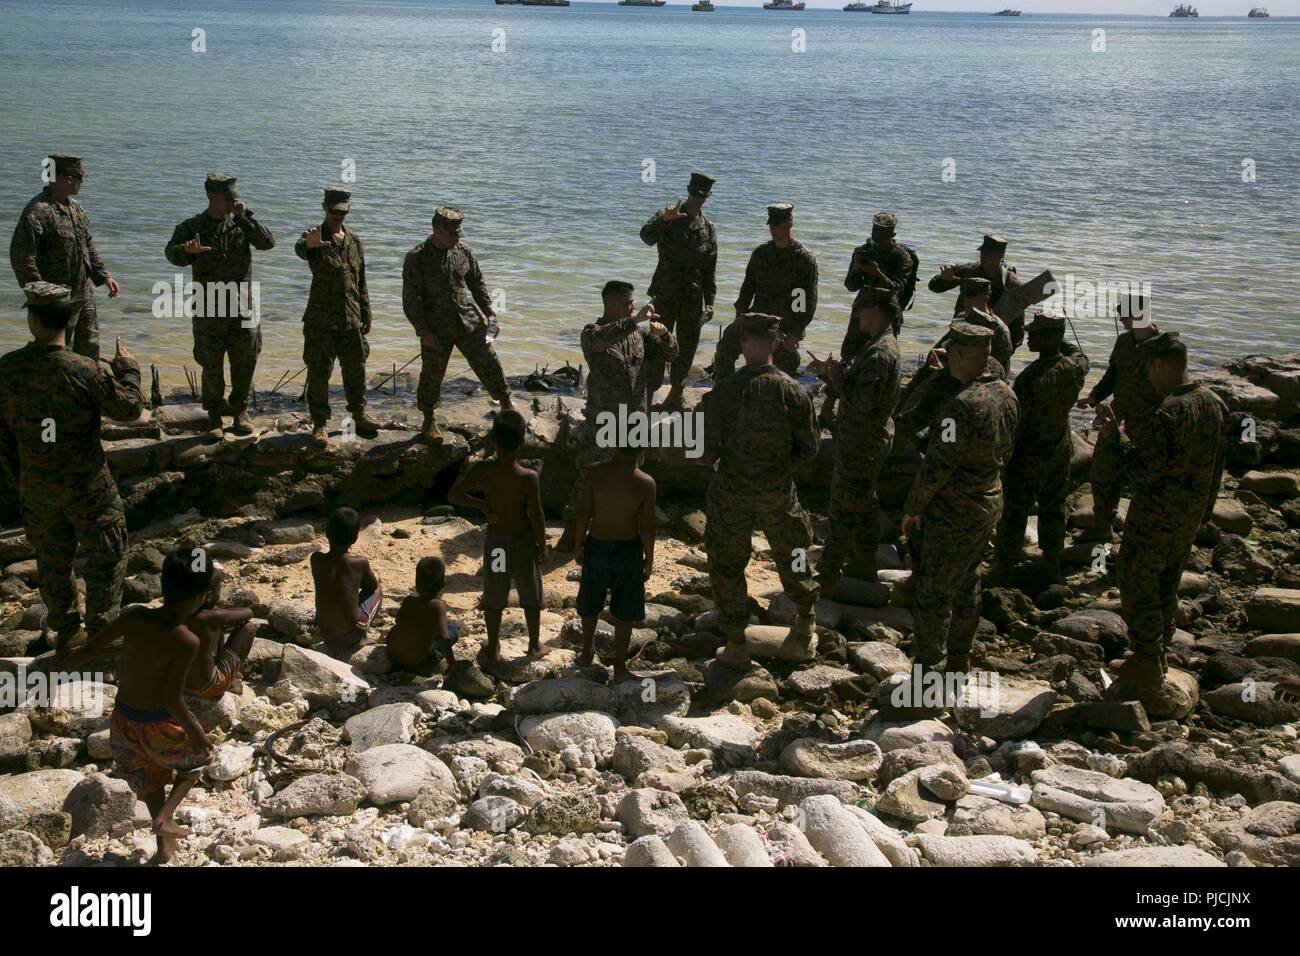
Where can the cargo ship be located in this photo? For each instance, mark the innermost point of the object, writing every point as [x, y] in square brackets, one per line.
[704, 6]
[883, 6]
[784, 5]
[1185, 10]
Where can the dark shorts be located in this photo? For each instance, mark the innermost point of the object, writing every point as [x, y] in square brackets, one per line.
[616, 569]
[511, 558]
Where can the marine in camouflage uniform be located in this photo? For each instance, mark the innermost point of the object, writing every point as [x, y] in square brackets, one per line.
[893, 270]
[991, 266]
[51, 403]
[957, 495]
[780, 280]
[1039, 470]
[447, 302]
[683, 286]
[1134, 398]
[52, 243]
[931, 388]
[758, 427]
[868, 392]
[219, 244]
[1177, 465]
[619, 348]
[337, 319]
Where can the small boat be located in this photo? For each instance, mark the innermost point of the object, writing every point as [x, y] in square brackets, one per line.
[784, 5]
[1008, 12]
[1185, 10]
[882, 6]
[641, 3]
[1258, 13]
[509, 3]
[704, 6]
[544, 3]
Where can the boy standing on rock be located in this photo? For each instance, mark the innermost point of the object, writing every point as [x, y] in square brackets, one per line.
[347, 591]
[156, 740]
[616, 548]
[514, 547]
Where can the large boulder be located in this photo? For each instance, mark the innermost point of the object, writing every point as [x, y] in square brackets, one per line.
[394, 773]
[1254, 702]
[648, 698]
[317, 795]
[691, 845]
[879, 659]
[770, 642]
[1096, 625]
[1162, 856]
[1174, 699]
[39, 791]
[856, 760]
[984, 816]
[713, 732]
[1005, 708]
[322, 680]
[591, 732]
[72, 709]
[1129, 806]
[561, 695]
[904, 734]
[1275, 610]
[837, 835]
[974, 850]
[788, 790]
[644, 811]
[387, 724]
[294, 621]
[101, 806]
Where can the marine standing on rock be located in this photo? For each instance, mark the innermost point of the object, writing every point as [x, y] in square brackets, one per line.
[447, 301]
[956, 501]
[1178, 465]
[868, 390]
[619, 348]
[51, 404]
[337, 319]
[758, 427]
[52, 243]
[683, 287]
[780, 280]
[991, 266]
[1134, 398]
[1039, 470]
[219, 244]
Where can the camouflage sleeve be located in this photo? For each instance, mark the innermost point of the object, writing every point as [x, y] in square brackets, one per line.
[412, 299]
[120, 396]
[708, 271]
[747, 287]
[175, 254]
[301, 250]
[363, 290]
[22, 249]
[599, 337]
[1220, 460]
[259, 237]
[663, 348]
[1149, 456]
[937, 468]
[97, 271]
[653, 230]
[855, 279]
[1106, 387]
[804, 433]
[939, 284]
[477, 285]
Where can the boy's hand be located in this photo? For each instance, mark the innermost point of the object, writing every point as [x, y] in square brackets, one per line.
[542, 553]
[648, 569]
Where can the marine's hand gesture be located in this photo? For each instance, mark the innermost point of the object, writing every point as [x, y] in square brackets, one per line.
[313, 237]
[195, 246]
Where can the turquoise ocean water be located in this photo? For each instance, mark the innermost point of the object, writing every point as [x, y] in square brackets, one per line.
[1116, 165]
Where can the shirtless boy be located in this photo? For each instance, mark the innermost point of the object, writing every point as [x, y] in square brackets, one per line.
[616, 548]
[514, 547]
[155, 739]
[347, 591]
[225, 638]
[421, 632]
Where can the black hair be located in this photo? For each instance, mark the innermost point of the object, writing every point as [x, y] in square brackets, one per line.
[342, 529]
[430, 575]
[615, 287]
[55, 317]
[1174, 354]
[507, 432]
[186, 573]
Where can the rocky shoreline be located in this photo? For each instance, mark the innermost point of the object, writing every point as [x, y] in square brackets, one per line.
[803, 761]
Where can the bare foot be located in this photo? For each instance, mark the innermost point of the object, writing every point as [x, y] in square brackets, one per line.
[166, 850]
[534, 650]
[586, 660]
[170, 828]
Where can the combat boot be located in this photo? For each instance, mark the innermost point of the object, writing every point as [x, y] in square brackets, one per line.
[320, 438]
[804, 627]
[1141, 671]
[1101, 529]
[365, 426]
[216, 427]
[243, 424]
[429, 433]
[957, 664]
[735, 654]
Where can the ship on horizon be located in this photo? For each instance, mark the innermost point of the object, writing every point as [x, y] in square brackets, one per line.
[1008, 12]
[1258, 13]
[882, 6]
[784, 5]
[1185, 10]
[641, 3]
[704, 6]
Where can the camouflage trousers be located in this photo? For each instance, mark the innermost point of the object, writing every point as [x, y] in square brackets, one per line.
[478, 352]
[687, 327]
[728, 353]
[854, 514]
[946, 602]
[1106, 474]
[84, 337]
[1149, 567]
[732, 518]
[1034, 475]
[64, 523]
[320, 347]
[214, 339]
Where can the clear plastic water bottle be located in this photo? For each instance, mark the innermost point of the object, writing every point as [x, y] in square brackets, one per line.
[493, 330]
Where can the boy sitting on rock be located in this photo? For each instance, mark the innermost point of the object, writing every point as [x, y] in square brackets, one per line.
[422, 635]
[514, 547]
[347, 592]
[225, 638]
[155, 739]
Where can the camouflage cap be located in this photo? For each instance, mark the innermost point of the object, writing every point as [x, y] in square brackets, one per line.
[760, 324]
[1160, 345]
[993, 244]
[700, 185]
[779, 212]
[450, 219]
[217, 182]
[47, 295]
[884, 222]
[67, 165]
[969, 334]
[975, 285]
[1042, 322]
[337, 200]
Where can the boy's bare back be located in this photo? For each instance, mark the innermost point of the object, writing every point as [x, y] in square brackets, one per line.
[338, 580]
[620, 499]
[152, 648]
[510, 490]
[420, 622]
